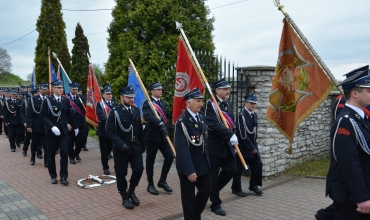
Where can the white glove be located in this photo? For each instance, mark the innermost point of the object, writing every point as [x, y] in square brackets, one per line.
[76, 131]
[55, 130]
[234, 140]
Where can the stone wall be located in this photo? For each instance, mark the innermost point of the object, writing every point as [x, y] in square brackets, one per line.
[311, 139]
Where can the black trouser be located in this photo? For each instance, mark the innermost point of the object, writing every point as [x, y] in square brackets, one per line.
[20, 135]
[151, 153]
[120, 166]
[27, 141]
[348, 212]
[193, 205]
[255, 166]
[36, 143]
[13, 131]
[105, 145]
[79, 141]
[1, 124]
[327, 213]
[220, 179]
[52, 142]
[6, 129]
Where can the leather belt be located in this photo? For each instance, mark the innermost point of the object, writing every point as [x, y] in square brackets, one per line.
[132, 139]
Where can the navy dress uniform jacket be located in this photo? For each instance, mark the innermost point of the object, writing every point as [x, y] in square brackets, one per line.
[102, 117]
[219, 135]
[12, 111]
[190, 158]
[60, 122]
[120, 137]
[33, 111]
[152, 131]
[80, 120]
[348, 180]
[246, 125]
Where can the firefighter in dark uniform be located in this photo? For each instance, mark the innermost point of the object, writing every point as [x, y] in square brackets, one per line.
[125, 130]
[2, 97]
[24, 107]
[5, 99]
[20, 138]
[155, 131]
[35, 125]
[192, 161]
[87, 127]
[348, 182]
[103, 109]
[76, 142]
[58, 120]
[12, 119]
[221, 141]
[246, 131]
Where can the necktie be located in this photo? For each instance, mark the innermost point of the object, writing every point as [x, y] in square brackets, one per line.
[252, 115]
[197, 117]
[109, 104]
[129, 110]
[58, 100]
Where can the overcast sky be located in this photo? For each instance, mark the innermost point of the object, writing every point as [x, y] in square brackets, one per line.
[247, 32]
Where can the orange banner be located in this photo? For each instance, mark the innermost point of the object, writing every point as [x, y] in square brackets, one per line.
[299, 85]
[93, 96]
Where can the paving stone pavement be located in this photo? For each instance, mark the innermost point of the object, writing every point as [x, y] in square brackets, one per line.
[26, 193]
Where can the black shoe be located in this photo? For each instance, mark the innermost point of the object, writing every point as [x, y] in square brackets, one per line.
[32, 160]
[72, 161]
[78, 157]
[24, 153]
[45, 165]
[85, 148]
[18, 144]
[39, 156]
[163, 184]
[64, 181]
[220, 211]
[110, 155]
[127, 204]
[152, 190]
[255, 190]
[106, 172]
[12, 150]
[133, 198]
[240, 193]
[54, 180]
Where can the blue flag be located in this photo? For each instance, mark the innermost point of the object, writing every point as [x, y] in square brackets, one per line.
[53, 73]
[33, 79]
[64, 78]
[139, 94]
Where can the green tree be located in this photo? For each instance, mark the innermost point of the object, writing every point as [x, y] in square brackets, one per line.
[80, 60]
[146, 31]
[51, 29]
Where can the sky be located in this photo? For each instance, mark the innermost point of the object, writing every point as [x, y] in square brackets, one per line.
[246, 32]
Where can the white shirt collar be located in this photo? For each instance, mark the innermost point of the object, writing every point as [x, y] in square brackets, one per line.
[248, 111]
[127, 108]
[155, 99]
[221, 100]
[356, 109]
[56, 97]
[193, 114]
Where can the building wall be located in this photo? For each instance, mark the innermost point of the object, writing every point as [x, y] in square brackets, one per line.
[311, 139]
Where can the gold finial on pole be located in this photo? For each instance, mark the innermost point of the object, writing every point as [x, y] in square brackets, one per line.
[280, 7]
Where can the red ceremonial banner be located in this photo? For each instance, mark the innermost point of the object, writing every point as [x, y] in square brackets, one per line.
[93, 97]
[187, 79]
[299, 85]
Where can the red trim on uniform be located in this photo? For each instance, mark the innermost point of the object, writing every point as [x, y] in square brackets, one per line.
[341, 105]
[343, 131]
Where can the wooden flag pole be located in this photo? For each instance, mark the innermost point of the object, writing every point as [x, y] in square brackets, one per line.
[150, 103]
[204, 79]
[307, 44]
[49, 71]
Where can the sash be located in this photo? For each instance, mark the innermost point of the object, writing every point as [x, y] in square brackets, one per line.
[160, 111]
[105, 107]
[228, 119]
[74, 106]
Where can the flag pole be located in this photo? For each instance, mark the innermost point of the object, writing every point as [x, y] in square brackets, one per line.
[56, 57]
[49, 71]
[150, 103]
[307, 44]
[204, 79]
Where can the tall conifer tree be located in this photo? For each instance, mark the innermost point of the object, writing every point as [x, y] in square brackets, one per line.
[80, 60]
[51, 29]
[146, 31]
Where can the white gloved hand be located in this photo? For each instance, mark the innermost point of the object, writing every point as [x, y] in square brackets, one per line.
[55, 130]
[234, 140]
[76, 131]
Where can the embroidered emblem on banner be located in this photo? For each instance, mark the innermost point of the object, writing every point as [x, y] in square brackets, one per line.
[90, 97]
[181, 84]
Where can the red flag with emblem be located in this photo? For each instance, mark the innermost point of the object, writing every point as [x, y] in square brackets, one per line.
[93, 97]
[299, 85]
[187, 79]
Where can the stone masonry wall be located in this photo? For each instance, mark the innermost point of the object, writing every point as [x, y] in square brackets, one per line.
[311, 139]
